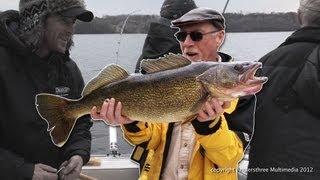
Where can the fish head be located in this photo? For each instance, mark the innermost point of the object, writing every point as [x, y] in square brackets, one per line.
[230, 80]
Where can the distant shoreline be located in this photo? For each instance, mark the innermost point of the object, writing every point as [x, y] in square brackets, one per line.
[235, 22]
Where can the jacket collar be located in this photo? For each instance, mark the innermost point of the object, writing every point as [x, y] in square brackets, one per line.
[225, 57]
[305, 34]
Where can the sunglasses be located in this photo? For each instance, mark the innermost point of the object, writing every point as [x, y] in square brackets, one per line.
[194, 35]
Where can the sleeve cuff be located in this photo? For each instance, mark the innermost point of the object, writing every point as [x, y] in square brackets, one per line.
[84, 154]
[206, 128]
[133, 127]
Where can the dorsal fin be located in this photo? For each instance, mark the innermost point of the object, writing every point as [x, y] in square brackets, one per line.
[108, 75]
[170, 61]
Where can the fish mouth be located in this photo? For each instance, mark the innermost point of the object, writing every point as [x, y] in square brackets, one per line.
[253, 89]
[249, 78]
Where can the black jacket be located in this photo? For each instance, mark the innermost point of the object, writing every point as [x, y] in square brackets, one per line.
[287, 120]
[160, 40]
[24, 140]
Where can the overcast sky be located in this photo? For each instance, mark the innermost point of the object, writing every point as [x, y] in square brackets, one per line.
[113, 7]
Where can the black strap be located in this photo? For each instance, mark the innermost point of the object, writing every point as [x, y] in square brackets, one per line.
[202, 151]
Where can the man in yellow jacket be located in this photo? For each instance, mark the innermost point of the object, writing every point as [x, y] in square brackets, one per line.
[210, 146]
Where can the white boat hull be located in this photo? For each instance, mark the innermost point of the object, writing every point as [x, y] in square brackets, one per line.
[113, 168]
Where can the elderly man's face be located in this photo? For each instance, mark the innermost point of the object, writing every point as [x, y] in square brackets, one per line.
[204, 49]
[58, 33]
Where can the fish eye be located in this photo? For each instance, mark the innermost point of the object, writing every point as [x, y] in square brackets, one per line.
[238, 67]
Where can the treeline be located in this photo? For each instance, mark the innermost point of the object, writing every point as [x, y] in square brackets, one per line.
[113, 24]
[258, 22]
[236, 22]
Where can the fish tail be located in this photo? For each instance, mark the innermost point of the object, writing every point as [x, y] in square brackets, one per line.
[54, 110]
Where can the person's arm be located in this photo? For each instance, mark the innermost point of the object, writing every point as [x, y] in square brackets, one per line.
[13, 167]
[306, 86]
[79, 142]
[240, 119]
[138, 133]
[77, 149]
[221, 145]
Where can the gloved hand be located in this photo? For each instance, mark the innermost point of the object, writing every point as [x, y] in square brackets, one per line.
[72, 168]
[44, 172]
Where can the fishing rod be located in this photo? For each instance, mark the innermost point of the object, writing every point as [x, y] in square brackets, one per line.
[121, 32]
[225, 7]
[113, 139]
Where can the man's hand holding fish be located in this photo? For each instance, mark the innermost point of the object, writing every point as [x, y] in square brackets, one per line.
[110, 113]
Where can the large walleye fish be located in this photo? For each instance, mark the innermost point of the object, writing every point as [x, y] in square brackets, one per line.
[173, 89]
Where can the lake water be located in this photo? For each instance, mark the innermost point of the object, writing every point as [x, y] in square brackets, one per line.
[93, 52]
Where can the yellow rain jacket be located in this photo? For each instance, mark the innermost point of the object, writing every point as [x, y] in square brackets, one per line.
[215, 155]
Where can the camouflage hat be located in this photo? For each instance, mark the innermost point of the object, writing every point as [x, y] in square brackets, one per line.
[33, 13]
[199, 15]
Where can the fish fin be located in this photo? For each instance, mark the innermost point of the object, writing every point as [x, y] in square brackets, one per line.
[52, 109]
[170, 61]
[108, 75]
[189, 119]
